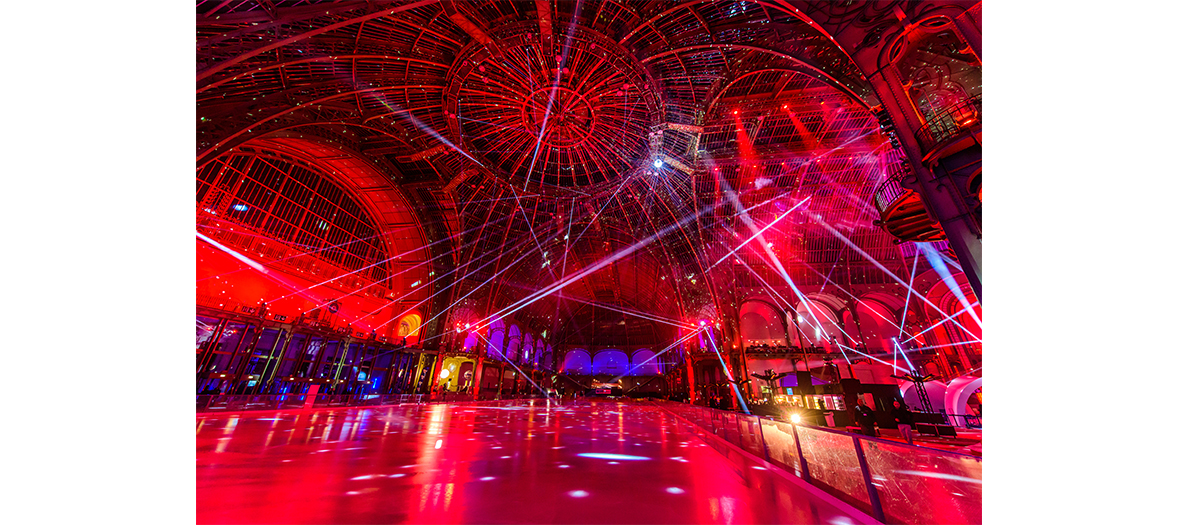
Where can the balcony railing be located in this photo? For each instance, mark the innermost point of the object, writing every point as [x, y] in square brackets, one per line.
[889, 191]
[950, 122]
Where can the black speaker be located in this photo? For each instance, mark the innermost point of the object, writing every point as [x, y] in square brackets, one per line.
[803, 380]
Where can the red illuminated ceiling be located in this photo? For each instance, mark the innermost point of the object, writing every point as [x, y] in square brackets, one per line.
[526, 135]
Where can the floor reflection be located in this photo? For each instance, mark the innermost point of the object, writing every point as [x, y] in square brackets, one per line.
[600, 462]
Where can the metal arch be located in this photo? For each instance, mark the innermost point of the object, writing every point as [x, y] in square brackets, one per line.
[203, 156]
[306, 13]
[276, 65]
[773, 307]
[358, 195]
[806, 68]
[897, 45]
[714, 97]
[626, 67]
[211, 70]
[345, 184]
[286, 129]
[789, 8]
[653, 18]
[299, 12]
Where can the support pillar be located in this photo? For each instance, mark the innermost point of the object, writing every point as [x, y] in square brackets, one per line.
[500, 384]
[969, 33]
[476, 377]
[433, 387]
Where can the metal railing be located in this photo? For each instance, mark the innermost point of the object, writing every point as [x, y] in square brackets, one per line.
[968, 420]
[892, 481]
[891, 190]
[949, 122]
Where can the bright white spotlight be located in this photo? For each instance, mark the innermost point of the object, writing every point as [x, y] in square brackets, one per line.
[795, 418]
[659, 163]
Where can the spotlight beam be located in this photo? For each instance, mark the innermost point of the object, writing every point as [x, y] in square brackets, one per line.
[420, 264]
[457, 281]
[725, 367]
[528, 223]
[509, 310]
[774, 294]
[873, 358]
[312, 252]
[613, 308]
[518, 370]
[909, 290]
[948, 318]
[460, 300]
[758, 234]
[850, 294]
[906, 357]
[570, 244]
[569, 36]
[935, 260]
[882, 267]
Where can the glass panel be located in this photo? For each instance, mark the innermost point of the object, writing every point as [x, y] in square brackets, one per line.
[383, 358]
[247, 337]
[780, 444]
[921, 486]
[355, 352]
[206, 326]
[732, 432]
[225, 346]
[262, 351]
[751, 437]
[230, 337]
[314, 345]
[291, 355]
[329, 361]
[831, 459]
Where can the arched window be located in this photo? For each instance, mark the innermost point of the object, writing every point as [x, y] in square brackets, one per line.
[576, 361]
[408, 326]
[610, 362]
[761, 325]
[818, 325]
[496, 339]
[513, 343]
[279, 207]
[644, 363]
[877, 325]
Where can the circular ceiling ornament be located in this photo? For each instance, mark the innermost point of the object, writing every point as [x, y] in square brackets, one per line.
[537, 110]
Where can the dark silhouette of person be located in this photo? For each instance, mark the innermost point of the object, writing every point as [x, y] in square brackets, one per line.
[904, 419]
[865, 418]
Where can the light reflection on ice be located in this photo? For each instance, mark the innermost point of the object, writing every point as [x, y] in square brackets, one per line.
[623, 457]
